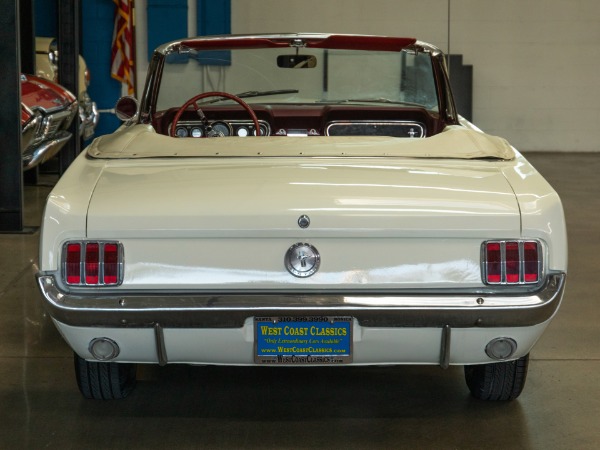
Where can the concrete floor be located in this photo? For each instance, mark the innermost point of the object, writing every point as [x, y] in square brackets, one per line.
[403, 407]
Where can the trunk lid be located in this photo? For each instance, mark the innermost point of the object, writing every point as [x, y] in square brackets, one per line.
[264, 197]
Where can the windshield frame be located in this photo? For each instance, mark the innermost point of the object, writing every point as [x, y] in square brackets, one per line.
[445, 100]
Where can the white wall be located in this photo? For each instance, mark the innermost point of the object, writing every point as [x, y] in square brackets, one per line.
[535, 62]
[536, 66]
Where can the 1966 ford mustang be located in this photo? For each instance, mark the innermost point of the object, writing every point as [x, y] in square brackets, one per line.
[301, 199]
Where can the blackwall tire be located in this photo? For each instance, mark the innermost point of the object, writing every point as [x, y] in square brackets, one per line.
[104, 380]
[497, 381]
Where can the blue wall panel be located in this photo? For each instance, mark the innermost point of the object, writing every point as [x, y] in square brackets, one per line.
[214, 17]
[167, 21]
[97, 17]
[46, 18]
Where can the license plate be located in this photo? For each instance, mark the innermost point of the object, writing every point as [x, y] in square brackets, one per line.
[303, 340]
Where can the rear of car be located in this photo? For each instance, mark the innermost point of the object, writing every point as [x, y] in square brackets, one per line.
[439, 245]
[409, 262]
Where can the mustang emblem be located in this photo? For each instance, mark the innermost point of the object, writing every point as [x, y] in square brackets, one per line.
[302, 260]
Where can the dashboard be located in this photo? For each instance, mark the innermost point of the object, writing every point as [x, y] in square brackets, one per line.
[243, 128]
[295, 120]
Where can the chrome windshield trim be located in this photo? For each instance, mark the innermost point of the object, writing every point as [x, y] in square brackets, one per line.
[230, 311]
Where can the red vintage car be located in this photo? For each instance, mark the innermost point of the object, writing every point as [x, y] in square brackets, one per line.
[47, 110]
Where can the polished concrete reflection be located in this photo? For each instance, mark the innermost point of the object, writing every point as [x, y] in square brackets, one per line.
[220, 407]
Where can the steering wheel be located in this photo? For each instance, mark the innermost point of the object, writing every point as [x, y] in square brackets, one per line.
[193, 102]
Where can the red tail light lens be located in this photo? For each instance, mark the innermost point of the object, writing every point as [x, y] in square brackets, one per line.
[111, 263]
[493, 262]
[73, 263]
[511, 262]
[95, 263]
[92, 263]
[531, 262]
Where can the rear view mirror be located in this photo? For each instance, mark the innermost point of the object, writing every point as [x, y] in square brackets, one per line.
[296, 61]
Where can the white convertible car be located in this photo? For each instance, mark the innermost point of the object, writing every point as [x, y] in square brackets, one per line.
[301, 199]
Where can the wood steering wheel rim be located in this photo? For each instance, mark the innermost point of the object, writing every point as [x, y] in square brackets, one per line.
[193, 100]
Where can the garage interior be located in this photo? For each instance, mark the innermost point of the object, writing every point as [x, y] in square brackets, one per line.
[535, 83]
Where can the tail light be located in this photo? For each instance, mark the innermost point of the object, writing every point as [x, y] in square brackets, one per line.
[97, 263]
[511, 262]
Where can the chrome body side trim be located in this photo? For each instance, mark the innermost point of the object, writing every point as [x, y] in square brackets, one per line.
[185, 310]
[29, 130]
[40, 153]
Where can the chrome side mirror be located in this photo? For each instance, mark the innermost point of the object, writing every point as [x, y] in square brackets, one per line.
[127, 109]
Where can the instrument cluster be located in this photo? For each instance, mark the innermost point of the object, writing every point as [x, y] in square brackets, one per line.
[221, 128]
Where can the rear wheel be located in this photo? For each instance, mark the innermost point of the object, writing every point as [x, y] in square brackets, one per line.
[497, 381]
[104, 380]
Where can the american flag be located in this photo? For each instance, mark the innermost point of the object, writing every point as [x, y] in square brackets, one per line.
[123, 47]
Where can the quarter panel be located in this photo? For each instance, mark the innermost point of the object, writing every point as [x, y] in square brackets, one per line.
[65, 215]
[542, 214]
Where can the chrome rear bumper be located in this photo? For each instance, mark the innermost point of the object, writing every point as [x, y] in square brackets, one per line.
[182, 310]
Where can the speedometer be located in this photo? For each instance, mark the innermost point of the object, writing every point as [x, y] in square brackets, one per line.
[221, 129]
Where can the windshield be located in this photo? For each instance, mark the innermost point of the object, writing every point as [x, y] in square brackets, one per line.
[301, 76]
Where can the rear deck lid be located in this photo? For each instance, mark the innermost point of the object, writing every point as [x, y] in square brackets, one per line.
[264, 197]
